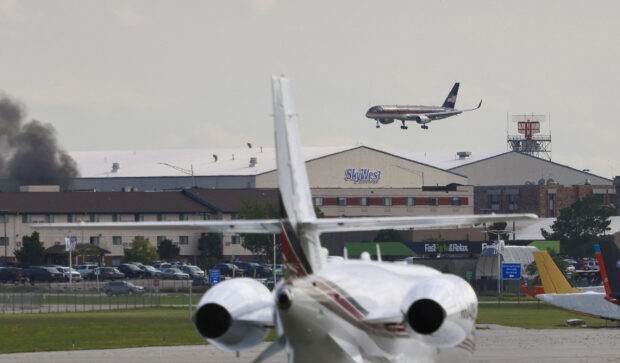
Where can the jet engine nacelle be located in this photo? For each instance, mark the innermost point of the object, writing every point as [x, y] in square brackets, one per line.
[422, 119]
[235, 315]
[386, 121]
[440, 311]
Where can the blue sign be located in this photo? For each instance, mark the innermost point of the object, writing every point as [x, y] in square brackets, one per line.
[214, 276]
[362, 176]
[511, 271]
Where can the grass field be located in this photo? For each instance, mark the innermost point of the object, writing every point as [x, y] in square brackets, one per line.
[171, 326]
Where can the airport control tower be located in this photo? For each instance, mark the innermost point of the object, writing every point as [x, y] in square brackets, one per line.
[529, 140]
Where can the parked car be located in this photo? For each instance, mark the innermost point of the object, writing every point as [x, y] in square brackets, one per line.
[106, 273]
[161, 265]
[253, 269]
[150, 271]
[44, 274]
[13, 274]
[174, 273]
[66, 271]
[192, 271]
[87, 269]
[201, 282]
[122, 288]
[228, 269]
[131, 271]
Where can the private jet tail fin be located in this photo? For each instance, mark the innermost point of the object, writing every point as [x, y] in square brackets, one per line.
[608, 256]
[552, 278]
[301, 252]
[451, 99]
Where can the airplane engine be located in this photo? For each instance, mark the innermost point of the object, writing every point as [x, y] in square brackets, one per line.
[440, 311]
[422, 119]
[386, 121]
[235, 315]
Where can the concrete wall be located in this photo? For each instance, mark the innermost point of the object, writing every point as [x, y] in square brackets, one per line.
[396, 172]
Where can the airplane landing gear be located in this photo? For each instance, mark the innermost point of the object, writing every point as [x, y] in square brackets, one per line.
[425, 127]
[403, 127]
[377, 125]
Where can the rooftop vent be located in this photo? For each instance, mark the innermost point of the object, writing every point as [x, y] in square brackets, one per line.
[253, 161]
[115, 167]
[463, 154]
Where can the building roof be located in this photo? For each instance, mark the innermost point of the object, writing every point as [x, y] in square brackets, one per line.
[229, 200]
[100, 202]
[449, 160]
[149, 163]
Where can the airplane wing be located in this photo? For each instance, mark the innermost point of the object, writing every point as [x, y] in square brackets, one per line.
[217, 226]
[438, 115]
[379, 223]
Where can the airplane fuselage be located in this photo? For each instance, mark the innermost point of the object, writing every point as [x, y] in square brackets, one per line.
[387, 114]
[340, 313]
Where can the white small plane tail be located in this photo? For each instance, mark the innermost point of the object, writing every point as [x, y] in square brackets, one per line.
[301, 249]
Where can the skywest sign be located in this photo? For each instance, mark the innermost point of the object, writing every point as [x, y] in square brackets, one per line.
[362, 176]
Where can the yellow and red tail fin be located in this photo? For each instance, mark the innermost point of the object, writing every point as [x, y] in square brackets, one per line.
[552, 278]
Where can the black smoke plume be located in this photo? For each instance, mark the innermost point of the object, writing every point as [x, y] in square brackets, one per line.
[29, 152]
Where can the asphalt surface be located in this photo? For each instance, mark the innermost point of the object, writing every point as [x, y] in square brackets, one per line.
[494, 343]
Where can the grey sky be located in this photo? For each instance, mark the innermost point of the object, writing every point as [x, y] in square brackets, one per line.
[191, 74]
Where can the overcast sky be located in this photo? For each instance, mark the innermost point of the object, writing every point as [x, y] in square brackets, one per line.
[196, 74]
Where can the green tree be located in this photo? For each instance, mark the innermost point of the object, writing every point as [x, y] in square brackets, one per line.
[141, 251]
[580, 226]
[167, 250]
[260, 244]
[387, 235]
[210, 248]
[32, 252]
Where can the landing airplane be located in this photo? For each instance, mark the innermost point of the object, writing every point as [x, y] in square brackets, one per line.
[558, 292]
[331, 310]
[420, 114]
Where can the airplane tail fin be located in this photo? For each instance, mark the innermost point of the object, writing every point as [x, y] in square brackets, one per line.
[608, 256]
[552, 278]
[451, 99]
[302, 253]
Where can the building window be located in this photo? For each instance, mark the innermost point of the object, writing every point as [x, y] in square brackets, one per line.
[117, 240]
[183, 217]
[26, 218]
[205, 216]
[138, 238]
[161, 217]
[4, 241]
[139, 217]
[456, 201]
[94, 218]
[410, 201]
[432, 201]
[342, 201]
[94, 240]
[49, 218]
[387, 201]
[160, 239]
[71, 218]
[116, 217]
[236, 239]
[318, 201]
[364, 201]
[183, 240]
[494, 200]
[551, 205]
[512, 202]
[4, 218]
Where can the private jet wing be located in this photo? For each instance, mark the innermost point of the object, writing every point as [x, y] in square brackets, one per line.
[215, 226]
[274, 225]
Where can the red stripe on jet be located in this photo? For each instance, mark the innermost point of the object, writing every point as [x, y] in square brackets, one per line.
[343, 302]
[290, 256]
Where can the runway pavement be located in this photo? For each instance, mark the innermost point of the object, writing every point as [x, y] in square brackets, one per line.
[494, 343]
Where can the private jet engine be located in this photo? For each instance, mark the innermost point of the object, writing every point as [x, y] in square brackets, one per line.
[441, 311]
[235, 315]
